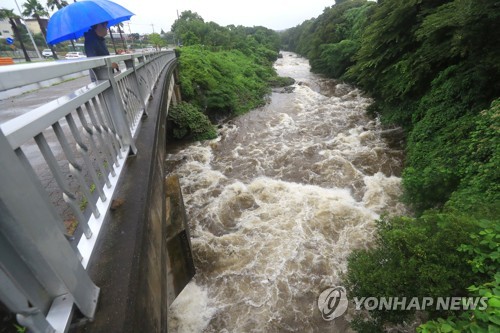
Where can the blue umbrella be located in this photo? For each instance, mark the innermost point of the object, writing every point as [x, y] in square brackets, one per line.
[72, 21]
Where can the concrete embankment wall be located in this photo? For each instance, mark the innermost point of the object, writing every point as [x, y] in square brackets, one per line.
[144, 256]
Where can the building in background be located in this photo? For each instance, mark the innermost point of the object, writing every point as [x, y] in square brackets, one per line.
[33, 26]
[5, 29]
[116, 35]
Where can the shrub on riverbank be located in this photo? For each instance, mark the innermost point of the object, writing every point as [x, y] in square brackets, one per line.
[189, 122]
[223, 82]
[434, 255]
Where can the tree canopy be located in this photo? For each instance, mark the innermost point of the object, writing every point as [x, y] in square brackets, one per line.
[191, 29]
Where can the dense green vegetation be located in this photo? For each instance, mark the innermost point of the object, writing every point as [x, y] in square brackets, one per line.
[224, 71]
[433, 68]
[189, 121]
[222, 81]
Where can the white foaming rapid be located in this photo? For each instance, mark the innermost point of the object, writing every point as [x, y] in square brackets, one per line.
[278, 202]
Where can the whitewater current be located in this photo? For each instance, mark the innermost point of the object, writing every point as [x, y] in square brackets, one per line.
[277, 203]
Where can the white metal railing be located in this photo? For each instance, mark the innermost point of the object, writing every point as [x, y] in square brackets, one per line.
[75, 146]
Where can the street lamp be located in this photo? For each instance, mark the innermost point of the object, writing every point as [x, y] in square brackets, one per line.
[29, 32]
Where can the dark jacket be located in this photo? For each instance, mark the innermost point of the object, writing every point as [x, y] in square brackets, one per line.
[95, 46]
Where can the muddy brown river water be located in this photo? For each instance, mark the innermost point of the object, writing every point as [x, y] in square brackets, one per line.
[278, 201]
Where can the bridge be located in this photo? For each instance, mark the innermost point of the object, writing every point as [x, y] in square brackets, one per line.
[91, 226]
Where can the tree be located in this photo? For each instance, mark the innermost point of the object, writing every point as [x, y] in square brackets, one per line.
[119, 26]
[112, 39]
[51, 4]
[34, 9]
[169, 37]
[190, 28]
[9, 14]
[156, 40]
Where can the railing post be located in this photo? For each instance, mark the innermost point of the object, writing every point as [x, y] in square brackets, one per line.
[30, 224]
[130, 64]
[115, 106]
[148, 72]
[28, 316]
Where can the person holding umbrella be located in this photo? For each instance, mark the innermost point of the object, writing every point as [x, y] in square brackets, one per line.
[95, 45]
[86, 17]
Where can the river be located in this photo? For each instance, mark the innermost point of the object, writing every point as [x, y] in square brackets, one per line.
[278, 201]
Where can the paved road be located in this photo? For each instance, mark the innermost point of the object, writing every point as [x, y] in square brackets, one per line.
[15, 106]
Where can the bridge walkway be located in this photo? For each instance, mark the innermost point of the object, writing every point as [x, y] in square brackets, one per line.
[102, 143]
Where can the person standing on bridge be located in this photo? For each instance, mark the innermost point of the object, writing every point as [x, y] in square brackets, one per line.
[95, 44]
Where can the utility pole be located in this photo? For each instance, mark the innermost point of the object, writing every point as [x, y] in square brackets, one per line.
[178, 41]
[129, 38]
[29, 32]
[153, 27]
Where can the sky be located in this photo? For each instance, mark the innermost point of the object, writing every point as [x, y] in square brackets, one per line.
[155, 15]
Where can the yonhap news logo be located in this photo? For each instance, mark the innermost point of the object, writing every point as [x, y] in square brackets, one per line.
[333, 303]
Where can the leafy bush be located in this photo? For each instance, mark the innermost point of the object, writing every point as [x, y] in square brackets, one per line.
[485, 261]
[479, 192]
[450, 155]
[281, 81]
[412, 257]
[189, 121]
[338, 57]
[472, 321]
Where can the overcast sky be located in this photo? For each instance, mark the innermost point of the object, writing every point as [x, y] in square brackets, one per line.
[158, 14]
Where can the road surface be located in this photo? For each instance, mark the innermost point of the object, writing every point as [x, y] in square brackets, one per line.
[16, 106]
